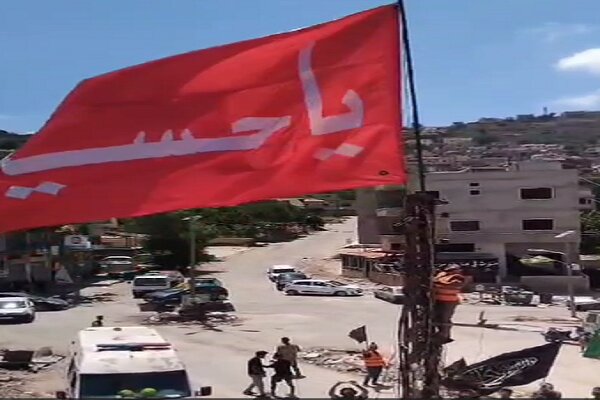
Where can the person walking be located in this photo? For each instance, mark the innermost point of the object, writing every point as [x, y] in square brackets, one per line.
[289, 351]
[283, 372]
[256, 372]
[98, 322]
[374, 363]
[446, 293]
[505, 393]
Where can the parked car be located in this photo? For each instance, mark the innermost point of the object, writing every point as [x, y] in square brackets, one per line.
[40, 303]
[321, 287]
[19, 309]
[154, 282]
[172, 297]
[119, 267]
[391, 294]
[283, 279]
[275, 270]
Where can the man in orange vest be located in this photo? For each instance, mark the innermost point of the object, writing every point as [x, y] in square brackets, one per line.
[447, 285]
[374, 363]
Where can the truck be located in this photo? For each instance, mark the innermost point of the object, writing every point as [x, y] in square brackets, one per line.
[122, 362]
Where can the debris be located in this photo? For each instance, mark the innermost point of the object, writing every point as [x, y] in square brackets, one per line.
[343, 361]
[28, 359]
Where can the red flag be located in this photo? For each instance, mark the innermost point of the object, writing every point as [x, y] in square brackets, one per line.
[314, 110]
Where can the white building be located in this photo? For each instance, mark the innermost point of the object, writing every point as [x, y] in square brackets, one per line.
[505, 211]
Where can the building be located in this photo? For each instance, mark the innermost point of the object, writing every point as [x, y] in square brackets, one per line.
[379, 210]
[505, 211]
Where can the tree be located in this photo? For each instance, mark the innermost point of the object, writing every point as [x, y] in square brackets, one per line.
[482, 138]
[590, 228]
[168, 238]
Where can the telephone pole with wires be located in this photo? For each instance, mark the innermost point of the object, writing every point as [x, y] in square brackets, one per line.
[419, 355]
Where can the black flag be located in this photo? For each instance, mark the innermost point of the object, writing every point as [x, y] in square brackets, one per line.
[509, 369]
[359, 334]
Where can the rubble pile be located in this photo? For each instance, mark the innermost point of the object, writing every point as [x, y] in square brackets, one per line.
[164, 318]
[13, 385]
[343, 361]
[16, 368]
[104, 297]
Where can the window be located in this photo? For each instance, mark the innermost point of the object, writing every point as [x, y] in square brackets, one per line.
[455, 247]
[445, 215]
[541, 193]
[464, 226]
[434, 193]
[538, 224]
[473, 184]
[474, 192]
[584, 201]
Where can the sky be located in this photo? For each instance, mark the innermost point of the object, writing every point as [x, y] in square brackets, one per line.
[473, 58]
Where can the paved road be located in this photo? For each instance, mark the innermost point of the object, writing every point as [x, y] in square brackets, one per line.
[218, 357]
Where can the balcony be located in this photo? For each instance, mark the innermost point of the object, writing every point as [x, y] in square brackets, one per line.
[393, 242]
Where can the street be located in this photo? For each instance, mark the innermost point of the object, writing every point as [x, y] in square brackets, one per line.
[217, 356]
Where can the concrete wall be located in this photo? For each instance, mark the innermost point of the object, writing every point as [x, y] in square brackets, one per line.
[387, 279]
[353, 273]
[366, 209]
[557, 284]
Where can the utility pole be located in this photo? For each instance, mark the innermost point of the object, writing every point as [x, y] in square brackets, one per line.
[192, 269]
[568, 262]
[570, 289]
[419, 354]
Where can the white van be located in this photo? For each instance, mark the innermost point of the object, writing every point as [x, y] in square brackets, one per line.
[277, 270]
[126, 362]
[154, 281]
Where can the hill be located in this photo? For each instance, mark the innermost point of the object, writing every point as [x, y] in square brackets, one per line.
[11, 140]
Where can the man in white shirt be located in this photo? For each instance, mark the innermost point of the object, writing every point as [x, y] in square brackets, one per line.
[289, 351]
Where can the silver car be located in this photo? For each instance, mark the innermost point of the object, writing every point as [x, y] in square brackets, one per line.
[19, 309]
[391, 294]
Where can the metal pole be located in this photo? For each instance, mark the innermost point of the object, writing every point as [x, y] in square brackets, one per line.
[192, 256]
[405, 41]
[572, 307]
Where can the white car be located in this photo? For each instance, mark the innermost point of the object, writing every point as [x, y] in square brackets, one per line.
[116, 260]
[276, 270]
[391, 294]
[321, 287]
[19, 309]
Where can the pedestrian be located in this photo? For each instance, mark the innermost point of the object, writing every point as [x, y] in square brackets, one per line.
[257, 374]
[289, 351]
[583, 338]
[596, 393]
[98, 322]
[283, 372]
[547, 391]
[374, 363]
[353, 391]
[447, 285]
[505, 393]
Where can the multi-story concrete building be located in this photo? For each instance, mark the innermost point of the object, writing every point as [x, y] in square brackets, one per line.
[502, 211]
[506, 211]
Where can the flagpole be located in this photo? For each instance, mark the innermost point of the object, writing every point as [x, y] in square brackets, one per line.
[410, 73]
[415, 344]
